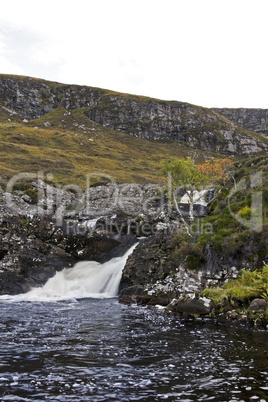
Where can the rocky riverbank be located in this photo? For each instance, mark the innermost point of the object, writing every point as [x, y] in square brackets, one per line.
[153, 277]
[44, 229]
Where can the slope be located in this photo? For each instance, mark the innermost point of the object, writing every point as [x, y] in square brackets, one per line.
[69, 146]
[138, 116]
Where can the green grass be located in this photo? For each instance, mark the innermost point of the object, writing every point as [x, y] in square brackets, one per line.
[248, 286]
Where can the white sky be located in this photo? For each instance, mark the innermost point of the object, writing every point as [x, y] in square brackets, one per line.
[206, 52]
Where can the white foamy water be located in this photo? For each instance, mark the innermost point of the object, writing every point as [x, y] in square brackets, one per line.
[85, 279]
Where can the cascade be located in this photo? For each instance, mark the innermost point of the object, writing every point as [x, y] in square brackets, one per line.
[85, 279]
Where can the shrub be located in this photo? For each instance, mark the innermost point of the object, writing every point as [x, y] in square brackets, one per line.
[244, 212]
[250, 284]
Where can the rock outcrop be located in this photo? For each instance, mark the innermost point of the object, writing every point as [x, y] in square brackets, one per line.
[194, 126]
[153, 277]
[151, 119]
[33, 98]
[253, 119]
[152, 274]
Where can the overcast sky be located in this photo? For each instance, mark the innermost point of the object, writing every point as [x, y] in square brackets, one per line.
[205, 52]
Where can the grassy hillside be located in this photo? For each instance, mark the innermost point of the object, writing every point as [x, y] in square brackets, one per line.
[137, 116]
[72, 131]
[69, 145]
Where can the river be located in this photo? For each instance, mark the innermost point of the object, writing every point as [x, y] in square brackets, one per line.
[71, 340]
[100, 350]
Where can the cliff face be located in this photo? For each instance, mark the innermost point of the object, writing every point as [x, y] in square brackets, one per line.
[253, 119]
[34, 98]
[194, 126]
[143, 117]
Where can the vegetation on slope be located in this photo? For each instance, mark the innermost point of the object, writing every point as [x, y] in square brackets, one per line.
[235, 234]
[137, 116]
[70, 146]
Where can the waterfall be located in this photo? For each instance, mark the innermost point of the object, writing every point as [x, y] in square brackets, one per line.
[85, 279]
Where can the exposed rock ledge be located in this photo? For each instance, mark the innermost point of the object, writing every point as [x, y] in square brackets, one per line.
[254, 119]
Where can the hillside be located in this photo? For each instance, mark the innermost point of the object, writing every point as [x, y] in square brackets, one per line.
[70, 146]
[35, 97]
[71, 131]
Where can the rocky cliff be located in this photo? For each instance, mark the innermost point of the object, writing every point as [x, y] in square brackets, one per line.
[194, 126]
[253, 119]
[147, 118]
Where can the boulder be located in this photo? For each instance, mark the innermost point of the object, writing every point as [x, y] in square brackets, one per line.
[196, 306]
[258, 305]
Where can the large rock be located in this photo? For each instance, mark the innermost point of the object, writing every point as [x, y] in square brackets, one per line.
[149, 262]
[258, 305]
[197, 306]
[152, 274]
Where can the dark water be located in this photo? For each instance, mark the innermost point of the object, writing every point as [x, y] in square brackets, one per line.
[99, 350]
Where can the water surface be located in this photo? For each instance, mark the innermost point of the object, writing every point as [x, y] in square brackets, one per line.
[100, 350]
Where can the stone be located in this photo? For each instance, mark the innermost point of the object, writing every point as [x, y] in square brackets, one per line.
[231, 315]
[146, 264]
[258, 305]
[26, 198]
[192, 307]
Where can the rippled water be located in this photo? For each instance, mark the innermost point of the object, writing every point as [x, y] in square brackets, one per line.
[99, 350]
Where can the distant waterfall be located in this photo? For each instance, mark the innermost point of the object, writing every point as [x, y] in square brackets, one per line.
[85, 279]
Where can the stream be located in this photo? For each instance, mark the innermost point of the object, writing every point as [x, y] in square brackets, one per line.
[95, 349]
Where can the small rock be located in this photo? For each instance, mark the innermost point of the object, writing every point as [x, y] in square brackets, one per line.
[231, 315]
[26, 198]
